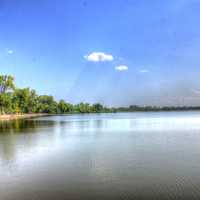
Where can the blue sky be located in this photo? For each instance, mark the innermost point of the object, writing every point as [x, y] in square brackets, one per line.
[115, 52]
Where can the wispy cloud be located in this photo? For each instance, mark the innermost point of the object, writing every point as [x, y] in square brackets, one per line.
[10, 51]
[144, 71]
[99, 57]
[196, 91]
[121, 68]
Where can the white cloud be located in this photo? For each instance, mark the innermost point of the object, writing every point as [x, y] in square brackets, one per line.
[99, 57]
[121, 68]
[195, 91]
[144, 71]
[10, 51]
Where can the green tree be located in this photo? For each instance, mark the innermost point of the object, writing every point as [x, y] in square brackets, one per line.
[16, 100]
[5, 103]
[47, 104]
[98, 107]
[83, 108]
[64, 107]
[6, 83]
[25, 100]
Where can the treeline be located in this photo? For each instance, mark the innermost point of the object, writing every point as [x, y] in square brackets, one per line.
[135, 108]
[16, 100]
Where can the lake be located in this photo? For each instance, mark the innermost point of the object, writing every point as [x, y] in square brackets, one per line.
[142, 155]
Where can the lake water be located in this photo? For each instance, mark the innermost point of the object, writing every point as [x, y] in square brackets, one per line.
[101, 156]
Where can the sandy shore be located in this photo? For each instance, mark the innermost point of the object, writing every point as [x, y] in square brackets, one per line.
[21, 116]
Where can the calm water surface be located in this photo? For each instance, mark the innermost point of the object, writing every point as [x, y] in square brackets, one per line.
[101, 156]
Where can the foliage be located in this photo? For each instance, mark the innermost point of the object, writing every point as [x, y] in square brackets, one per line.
[25, 100]
[6, 83]
[5, 103]
[47, 104]
[64, 107]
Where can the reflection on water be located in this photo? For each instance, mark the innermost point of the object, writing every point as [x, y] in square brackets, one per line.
[11, 132]
[101, 156]
[20, 126]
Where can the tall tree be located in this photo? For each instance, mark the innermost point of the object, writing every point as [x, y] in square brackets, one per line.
[64, 107]
[5, 103]
[98, 107]
[25, 100]
[47, 104]
[6, 83]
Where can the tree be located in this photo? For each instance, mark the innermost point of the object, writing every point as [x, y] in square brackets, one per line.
[98, 107]
[83, 108]
[64, 107]
[25, 100]
[5, 103]
[47, 104]
[6, 83]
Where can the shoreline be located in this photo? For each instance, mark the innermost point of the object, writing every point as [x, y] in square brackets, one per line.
[8, 117]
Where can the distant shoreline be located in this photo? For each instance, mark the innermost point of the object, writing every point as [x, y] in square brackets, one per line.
[8, 117]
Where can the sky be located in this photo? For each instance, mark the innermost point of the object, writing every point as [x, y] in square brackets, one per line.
[118, 53]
